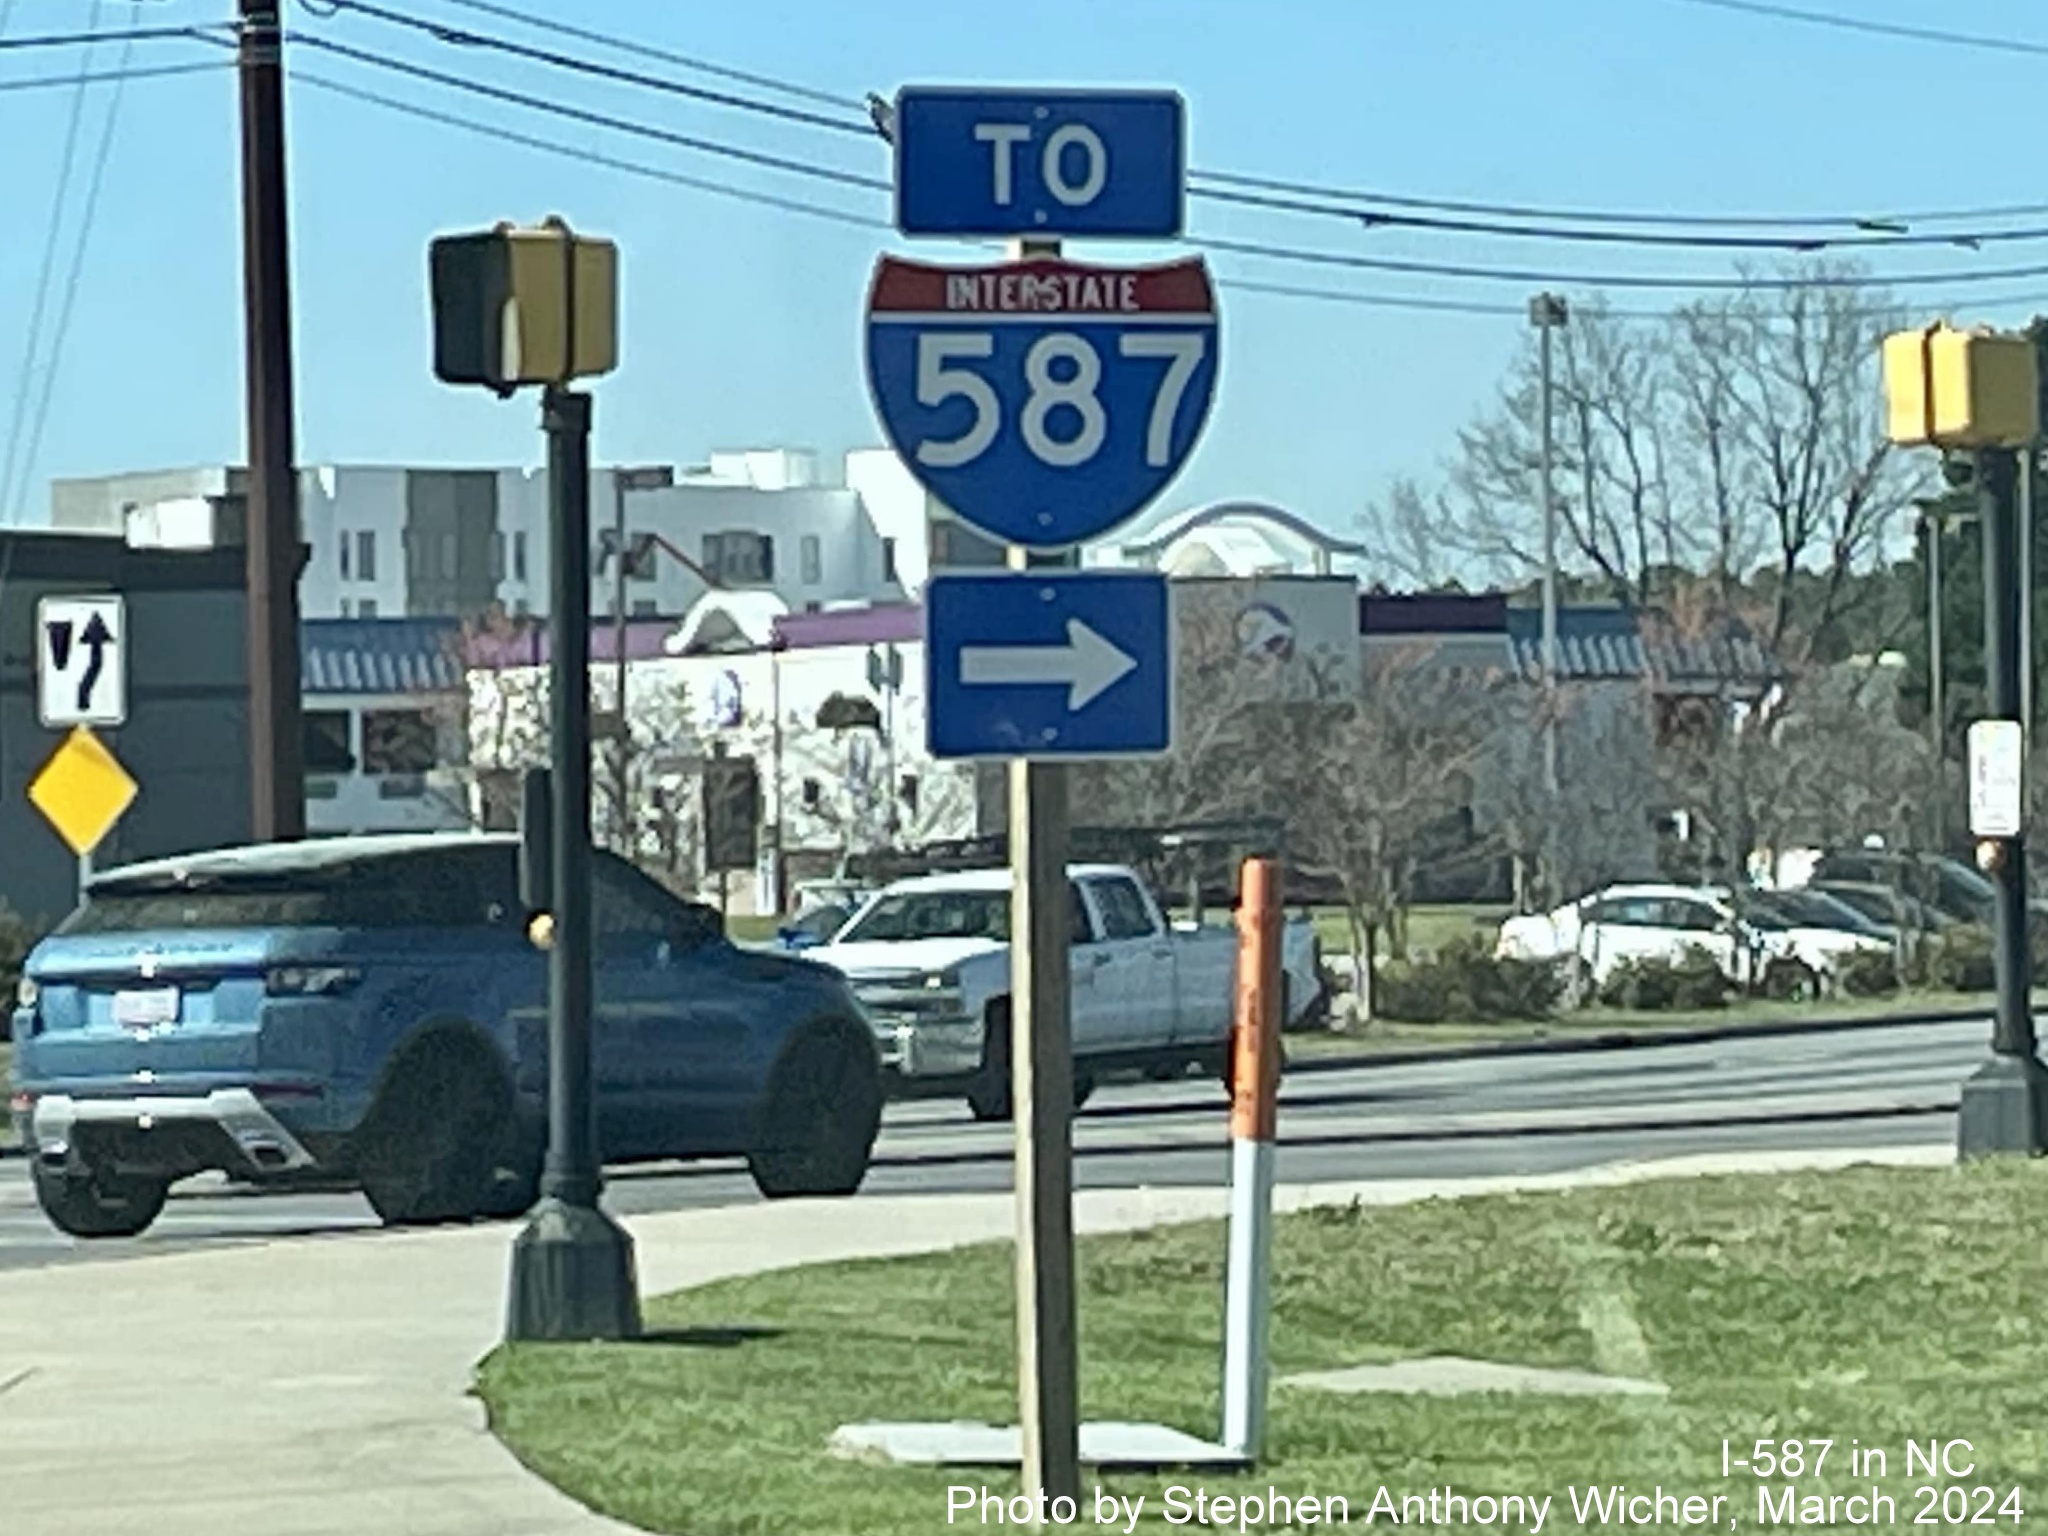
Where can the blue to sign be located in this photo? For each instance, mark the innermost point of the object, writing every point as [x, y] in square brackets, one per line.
[1045, 402]
[1108, 164]
[1048, 665]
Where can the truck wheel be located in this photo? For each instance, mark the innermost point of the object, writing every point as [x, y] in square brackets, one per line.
[820, 1119]
[92, 1204]
[988, 1096]
[433, 1144]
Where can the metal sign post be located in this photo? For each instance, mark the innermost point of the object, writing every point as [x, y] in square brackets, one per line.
[1045, 403]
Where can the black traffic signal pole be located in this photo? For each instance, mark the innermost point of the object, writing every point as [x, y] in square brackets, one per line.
[573, 1275]
[2004, 1105]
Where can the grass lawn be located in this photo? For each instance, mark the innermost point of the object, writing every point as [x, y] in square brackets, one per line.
[1870, 1306]
[1389, 1035]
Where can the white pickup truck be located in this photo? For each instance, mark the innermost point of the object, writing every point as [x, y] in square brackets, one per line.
[929, 960]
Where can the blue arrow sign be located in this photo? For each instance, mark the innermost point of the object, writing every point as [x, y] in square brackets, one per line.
[1045, 402]
[1037, 664]
[1054, 163]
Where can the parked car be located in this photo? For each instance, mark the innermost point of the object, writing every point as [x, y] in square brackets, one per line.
[1885, 905]
[1947, 885]
[929, 958]
[1806, 907]
[373, 1011]
[1766, 951]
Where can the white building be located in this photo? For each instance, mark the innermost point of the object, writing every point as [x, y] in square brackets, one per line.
[387, 541]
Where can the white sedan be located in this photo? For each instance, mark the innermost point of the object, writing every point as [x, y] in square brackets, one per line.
[1759, 949]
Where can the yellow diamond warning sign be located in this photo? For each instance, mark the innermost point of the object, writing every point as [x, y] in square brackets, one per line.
[83, 790]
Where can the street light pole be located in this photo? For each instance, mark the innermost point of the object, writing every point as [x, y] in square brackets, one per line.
[1936, 694]
[1547, 311]
[658, 477]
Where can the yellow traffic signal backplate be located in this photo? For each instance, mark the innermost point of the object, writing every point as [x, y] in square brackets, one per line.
[82, 790]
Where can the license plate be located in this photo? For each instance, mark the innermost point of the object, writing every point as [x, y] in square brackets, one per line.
[146, 1008]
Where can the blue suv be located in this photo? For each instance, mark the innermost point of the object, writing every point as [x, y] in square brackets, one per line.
[372, 1012]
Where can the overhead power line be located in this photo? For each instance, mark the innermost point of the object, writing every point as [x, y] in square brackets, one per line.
[1908, 31]
[663, 55]
[1876, 228]
[594, 119]
[877, 224]
[47, 268]
[1265, 250]
[104, 76]
[72, 279]
[465, 38]
[587, 156]
[77, 39]
[1798, 244]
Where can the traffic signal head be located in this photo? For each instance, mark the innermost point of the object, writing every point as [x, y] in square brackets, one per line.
[523, 306]
[1961, 389]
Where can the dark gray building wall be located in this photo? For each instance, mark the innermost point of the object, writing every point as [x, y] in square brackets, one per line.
[451, 526]
[186, 738]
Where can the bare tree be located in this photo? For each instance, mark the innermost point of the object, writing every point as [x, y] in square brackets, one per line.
[1781, 441]
[1613, 414]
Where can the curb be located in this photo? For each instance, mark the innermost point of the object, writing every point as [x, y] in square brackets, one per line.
[1624, 1039]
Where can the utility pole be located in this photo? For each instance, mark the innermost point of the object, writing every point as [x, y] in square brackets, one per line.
[1547, 311]
[656, 477]
[277, 780]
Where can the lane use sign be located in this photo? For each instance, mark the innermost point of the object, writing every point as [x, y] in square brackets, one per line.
[82, 661]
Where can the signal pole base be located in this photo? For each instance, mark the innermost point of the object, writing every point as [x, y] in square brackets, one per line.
[573, 1277]
[2004, 1109]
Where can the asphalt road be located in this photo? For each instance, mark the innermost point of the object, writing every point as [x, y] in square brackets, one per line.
[1489, 1115]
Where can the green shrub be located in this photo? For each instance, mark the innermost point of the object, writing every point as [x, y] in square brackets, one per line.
[17, 937]
[1867, 975]
[1654, 986]
[1960, 960]
[1464, 980]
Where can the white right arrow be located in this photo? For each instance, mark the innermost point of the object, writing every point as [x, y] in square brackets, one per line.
[1086, 666]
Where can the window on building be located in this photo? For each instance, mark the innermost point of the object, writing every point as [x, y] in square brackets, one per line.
[366, 608]
[366, 555]
[344, 556]
[888, 560]
[645, 608]
[398, 741]
[519, 557]
[740, 559]
[813, 560]
[451, 558]
[497, 557]
[327, 747]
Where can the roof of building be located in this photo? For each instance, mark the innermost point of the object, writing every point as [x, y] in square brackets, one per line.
[728, 621]
[382, 655]
[881, 624]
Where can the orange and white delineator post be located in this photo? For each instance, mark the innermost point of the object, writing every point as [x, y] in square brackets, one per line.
[1255, 1079]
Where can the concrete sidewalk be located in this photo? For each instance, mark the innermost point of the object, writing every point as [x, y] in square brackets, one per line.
[319, 1386]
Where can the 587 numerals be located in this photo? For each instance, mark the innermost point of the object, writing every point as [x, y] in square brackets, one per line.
[1061, 370]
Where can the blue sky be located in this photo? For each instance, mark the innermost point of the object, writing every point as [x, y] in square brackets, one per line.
[742, 324]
